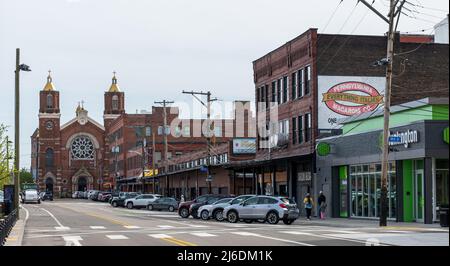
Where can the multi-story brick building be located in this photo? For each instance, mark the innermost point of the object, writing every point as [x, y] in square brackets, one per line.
[314, 81]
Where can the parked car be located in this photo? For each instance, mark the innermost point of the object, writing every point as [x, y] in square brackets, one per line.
[141, 201]
[206, 211]
[90, 193]
[94, 195]
[189, 208]
[31, 195]
[102, 196]
[113, 195]
[216, 210]
[164, 203]
[267, 208]
[48, 195]
[120, 200]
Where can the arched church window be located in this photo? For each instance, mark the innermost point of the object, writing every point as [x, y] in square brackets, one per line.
[82, 148]
[49, 157]
[115, 102]
[49, 101]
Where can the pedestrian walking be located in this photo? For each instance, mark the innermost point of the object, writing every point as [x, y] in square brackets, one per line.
[322, 205]
[308, 201]
[182, 198]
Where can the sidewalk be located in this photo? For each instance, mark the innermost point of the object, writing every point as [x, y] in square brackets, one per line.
[354, 223]
[16, 236]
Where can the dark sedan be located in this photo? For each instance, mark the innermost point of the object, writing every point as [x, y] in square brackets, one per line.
[165, 203]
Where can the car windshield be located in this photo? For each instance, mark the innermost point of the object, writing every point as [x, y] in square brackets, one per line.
[222, 201]
[240, 199]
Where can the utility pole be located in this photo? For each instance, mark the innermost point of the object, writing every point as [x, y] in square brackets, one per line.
[164, 103]
[7, 157]
[208, 137]
[153, 161]
[387, 100]
[16, 170]
[144, 145]
[116, 155]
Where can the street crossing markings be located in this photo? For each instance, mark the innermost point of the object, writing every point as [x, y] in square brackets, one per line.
[131, 227]
[72, 240]
[203, 234]
[116, 237]
[166, 226]
[97, 227]
[159, 236]
[245, 234]
[62, 228]
[271, 238]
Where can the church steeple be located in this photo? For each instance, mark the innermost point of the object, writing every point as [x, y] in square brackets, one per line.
[49, 86]
[114, 87]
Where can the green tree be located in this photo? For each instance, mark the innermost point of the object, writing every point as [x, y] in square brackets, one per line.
[25, 177]
[5, 168]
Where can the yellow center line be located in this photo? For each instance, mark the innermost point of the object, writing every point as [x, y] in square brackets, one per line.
[178, 241]
[114, 221]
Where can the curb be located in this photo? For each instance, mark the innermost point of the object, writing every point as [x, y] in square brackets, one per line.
[15, 237]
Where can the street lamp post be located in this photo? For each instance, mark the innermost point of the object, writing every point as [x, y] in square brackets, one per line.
[16, 171]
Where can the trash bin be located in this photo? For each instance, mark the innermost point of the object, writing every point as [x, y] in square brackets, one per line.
[443, 216]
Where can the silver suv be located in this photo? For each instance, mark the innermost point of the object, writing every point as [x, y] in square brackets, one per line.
[267, 208]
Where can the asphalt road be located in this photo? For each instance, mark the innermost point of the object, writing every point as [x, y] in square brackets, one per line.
[81, 222]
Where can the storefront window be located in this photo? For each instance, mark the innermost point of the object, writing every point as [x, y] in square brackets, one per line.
[365, 190]
[441, 183]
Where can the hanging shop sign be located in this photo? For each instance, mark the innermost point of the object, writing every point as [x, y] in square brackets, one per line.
[404, 138]
[347, 96]
[244, 146]
[323, 149]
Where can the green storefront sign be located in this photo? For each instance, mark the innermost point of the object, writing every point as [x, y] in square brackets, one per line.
[446, 135]
[323, 149]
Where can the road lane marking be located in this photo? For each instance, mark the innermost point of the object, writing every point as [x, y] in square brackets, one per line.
[172, 240]
[114, 221]
[342, 237]
[272, 238]
[117, 237]
[159, 236]
[72, 240]
[166, 226]
[203, 234]
[131, 227]
[60, 227]
[97, 227]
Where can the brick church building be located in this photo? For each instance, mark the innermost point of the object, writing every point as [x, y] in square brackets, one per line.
[72, 156]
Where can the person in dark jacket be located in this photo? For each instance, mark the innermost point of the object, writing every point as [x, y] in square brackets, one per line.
[321, 205]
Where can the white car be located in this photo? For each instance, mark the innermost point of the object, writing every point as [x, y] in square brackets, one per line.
[141, 201]
[31, 195]
[207, 211]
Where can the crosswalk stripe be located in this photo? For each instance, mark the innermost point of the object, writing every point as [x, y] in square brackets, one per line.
[131, 227]
[116, 237]
[97, 227]
[166, 226]
[245, 234]
[62, 228]
[296, 233]
[159, 236]
[203, 234]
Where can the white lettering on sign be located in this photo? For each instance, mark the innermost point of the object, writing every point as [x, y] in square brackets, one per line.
[406, 138]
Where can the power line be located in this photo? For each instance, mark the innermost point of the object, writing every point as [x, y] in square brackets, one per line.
[332, 15]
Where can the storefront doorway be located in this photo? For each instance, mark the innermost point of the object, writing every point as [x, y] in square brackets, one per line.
[418, 196]
[441, 185]
[82, 184]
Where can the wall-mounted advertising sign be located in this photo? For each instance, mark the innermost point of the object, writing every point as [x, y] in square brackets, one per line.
[341, 97]
[244, 146]
[404, 138]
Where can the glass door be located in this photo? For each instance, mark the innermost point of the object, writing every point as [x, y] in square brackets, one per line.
[418, 195]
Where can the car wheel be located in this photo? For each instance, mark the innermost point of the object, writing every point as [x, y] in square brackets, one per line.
[114, 204]
[171, 209]
[288, 222]
[205, 215]
[233, 217]
[218, 214]
[184, 213]
[248, 221]
[272, 218]
[150, 207]
[130, 205]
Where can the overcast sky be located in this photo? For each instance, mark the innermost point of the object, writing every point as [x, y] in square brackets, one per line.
[160, 47]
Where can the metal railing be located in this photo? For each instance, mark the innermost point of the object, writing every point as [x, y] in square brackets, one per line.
[6, 224]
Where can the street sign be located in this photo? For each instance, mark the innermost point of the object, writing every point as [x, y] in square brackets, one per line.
[204, 169]
[395, 139]
[150, 172]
